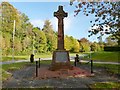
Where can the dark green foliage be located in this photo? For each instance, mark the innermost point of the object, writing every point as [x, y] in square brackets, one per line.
[105, 56]
[112, 49]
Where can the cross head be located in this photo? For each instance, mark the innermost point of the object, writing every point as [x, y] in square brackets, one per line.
[60, 13]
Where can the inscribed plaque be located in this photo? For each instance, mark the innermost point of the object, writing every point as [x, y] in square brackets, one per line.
[61, 56]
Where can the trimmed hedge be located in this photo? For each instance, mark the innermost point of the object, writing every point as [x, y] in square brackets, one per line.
[111, 48]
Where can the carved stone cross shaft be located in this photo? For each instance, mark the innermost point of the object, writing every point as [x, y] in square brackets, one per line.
[60, 14]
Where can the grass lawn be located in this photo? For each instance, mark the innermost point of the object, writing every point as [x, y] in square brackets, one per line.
[105, 86]
[101, 56]
[110, 68]
[26, 57]
[105, 56]
[6, 68]
[9, 58]
[11, 67]
[43, 55]
[47, 62]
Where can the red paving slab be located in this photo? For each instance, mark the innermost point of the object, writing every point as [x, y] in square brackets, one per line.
[45, 73]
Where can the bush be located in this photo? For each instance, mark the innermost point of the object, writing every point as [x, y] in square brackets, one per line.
[111, 48]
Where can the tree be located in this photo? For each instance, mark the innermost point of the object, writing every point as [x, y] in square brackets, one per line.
[101, 43]
[17, 46]
[67, 41]
[107, 17]
[71, 44]
[50, 35]
[76, 46]
[95, 47]
[40, 41]
[110, 41]
[84, 45]
[23, 31]
[6, 43]
[24, 25]
[9, 14]
[26, 43]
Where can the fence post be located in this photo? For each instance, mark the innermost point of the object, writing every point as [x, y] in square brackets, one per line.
[39, 62]
[75, 62]
[36, 68]
[91, 66]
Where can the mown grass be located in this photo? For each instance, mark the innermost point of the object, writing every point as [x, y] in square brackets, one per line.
[15, 66]
[105, 86]
[9, 58]
[101, 56]
[5, 75]
[6, 68]
[47, 62]
[43, 55]
[104, 56]
[110, 68]
[27, 57]
[41, 88]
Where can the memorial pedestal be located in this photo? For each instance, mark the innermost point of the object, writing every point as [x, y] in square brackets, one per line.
[60, 60]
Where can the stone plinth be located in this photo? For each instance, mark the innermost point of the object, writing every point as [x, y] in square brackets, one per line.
[60, 60]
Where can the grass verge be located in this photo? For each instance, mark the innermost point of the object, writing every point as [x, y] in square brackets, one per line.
[6, 68]
[104, 56]
[110, 68]
[105, 86]
[26, 57]
[9, 58]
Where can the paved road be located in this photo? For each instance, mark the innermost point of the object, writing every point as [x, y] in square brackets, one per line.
[71, 59]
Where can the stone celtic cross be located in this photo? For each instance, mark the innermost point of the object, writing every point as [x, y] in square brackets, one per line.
[60, 58]
[60, 14]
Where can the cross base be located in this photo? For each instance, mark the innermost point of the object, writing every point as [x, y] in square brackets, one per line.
[60, 66]
[60, 60]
